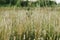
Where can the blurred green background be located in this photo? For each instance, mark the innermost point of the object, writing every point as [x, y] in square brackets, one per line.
[26, 3]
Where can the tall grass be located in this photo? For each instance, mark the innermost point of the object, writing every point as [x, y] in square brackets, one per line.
[35, 24]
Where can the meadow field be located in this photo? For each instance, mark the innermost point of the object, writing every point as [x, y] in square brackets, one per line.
[32, 24]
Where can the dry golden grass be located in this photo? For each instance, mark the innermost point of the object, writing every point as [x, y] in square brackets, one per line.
[35, 24]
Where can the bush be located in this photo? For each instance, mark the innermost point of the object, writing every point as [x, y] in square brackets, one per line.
[24, 3]
[47, 3]
[27, 3]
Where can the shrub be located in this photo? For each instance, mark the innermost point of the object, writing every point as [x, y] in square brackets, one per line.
[47, 3]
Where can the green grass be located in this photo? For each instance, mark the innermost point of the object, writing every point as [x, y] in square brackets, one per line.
[35, 24]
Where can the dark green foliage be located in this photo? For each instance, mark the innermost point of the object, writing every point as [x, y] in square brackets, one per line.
[2, 1]
[27, 3]
[11, 2]
[30, 35]
[17, 36]
[8, 2]
[34, 4]
[51, 3]
[11, 37]
[24, 3]
[47, 3]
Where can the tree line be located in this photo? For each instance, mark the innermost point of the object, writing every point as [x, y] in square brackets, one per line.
[40, 3]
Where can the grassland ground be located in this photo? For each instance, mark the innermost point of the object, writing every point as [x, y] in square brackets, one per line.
[32, 24]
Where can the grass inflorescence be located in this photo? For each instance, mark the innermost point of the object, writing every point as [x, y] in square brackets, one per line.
[32, 24]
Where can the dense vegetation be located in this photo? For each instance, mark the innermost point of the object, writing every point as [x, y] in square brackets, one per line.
[47, 3]
[40, 3]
